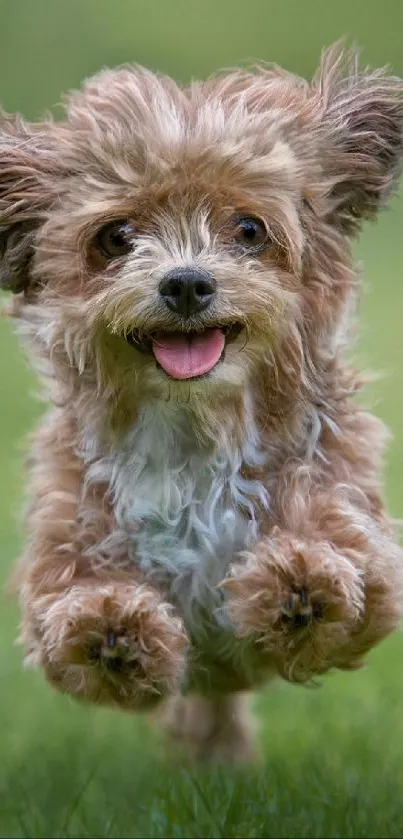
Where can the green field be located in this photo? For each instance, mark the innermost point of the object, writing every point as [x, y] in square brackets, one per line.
[333, 757]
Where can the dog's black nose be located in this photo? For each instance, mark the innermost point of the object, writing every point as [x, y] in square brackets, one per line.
[187, 290]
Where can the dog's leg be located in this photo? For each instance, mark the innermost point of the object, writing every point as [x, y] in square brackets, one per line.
[321, 594]
[219, 729]
[88, 619]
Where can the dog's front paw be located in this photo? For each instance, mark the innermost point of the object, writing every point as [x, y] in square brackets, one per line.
[115, 644]
[298, 601]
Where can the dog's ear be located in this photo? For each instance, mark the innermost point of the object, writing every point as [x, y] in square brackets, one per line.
[362, 131]
[28, 160]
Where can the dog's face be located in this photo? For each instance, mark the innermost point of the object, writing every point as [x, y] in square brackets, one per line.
[185, 243]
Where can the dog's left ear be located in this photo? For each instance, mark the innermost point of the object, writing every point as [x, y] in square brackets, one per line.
[362, 135]
[29, 160]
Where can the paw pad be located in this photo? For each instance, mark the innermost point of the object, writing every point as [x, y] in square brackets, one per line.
[298, 611]
[115, 652]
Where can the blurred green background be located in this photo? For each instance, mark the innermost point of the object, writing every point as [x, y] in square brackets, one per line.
[333, 757]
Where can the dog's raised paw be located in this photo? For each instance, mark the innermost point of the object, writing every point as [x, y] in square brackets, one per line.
[118, 644]
[296, 602]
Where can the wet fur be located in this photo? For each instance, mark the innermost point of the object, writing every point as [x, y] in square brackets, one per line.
[229, 528]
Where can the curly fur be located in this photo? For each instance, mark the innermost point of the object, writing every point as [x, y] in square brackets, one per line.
[197, 537]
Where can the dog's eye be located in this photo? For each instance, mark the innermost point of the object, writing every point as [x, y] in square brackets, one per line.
[115, 239]
[251, 233]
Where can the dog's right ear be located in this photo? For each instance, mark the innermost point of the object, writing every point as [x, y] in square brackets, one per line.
[28, 164]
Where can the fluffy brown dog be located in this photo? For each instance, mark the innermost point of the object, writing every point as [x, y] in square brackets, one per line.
[205, 494]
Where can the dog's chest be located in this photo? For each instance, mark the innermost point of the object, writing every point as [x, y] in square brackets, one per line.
[189, 509]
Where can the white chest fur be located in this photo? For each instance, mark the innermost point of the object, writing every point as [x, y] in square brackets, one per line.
[189, 508]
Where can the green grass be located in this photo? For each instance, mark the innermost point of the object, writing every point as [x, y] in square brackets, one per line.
[332, 766]
[333, 763]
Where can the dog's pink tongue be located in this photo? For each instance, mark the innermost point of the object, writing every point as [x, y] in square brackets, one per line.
[187, 356]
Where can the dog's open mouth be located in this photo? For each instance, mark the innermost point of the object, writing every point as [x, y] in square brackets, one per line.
[187, 355]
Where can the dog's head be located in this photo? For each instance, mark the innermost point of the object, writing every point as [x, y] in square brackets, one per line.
[189, 242]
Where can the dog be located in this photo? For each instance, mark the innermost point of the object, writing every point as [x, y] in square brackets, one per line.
[205, 503]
